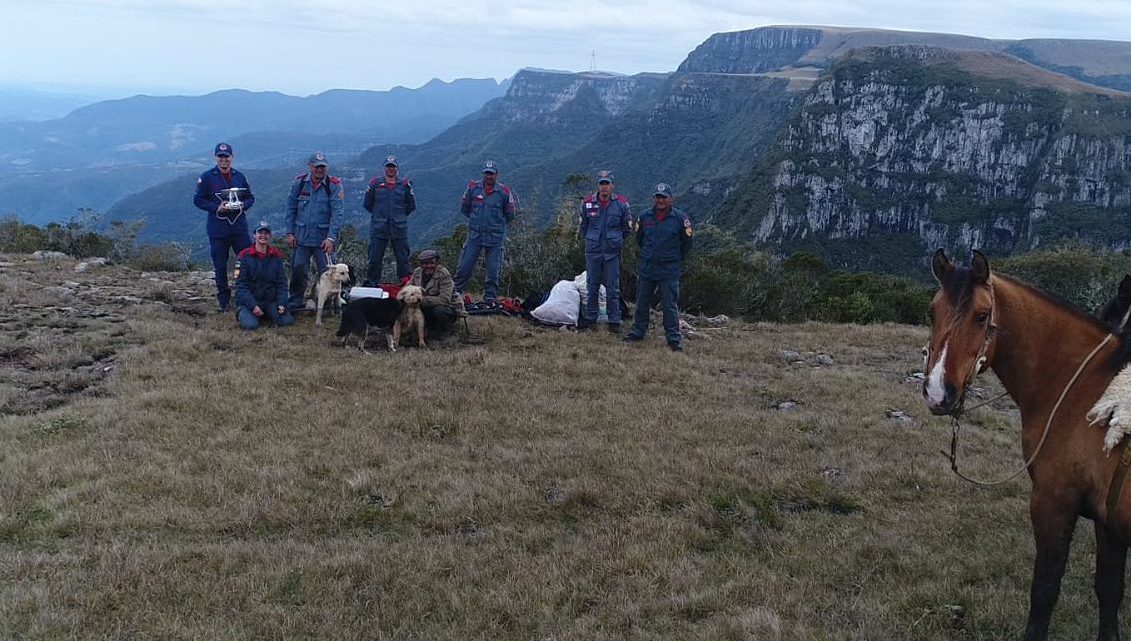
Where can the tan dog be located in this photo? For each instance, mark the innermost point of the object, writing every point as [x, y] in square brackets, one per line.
[411, 318]
[330, 285]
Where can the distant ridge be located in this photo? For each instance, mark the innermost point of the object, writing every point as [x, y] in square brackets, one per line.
[786, 47]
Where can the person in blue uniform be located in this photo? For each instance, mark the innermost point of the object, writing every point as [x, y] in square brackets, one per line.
[389, 201]
[489, 207]
[261, 286]
[314, 218]
[664, 236]
[605, 221]
[227, 226]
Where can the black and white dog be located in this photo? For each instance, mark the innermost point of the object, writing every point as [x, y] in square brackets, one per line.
[363, 313]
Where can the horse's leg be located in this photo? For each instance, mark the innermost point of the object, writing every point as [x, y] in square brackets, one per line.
[1052, 531]
[1111, 558]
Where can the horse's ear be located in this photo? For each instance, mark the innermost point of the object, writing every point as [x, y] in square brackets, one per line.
[1125, 288]
[980, 267]
[941, 266]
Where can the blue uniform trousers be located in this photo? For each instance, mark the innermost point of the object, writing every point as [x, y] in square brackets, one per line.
[602, 270]
[271, 312]
[220, 247]
[377, 257]
[669, 299]
[467, 264]
[300, 267]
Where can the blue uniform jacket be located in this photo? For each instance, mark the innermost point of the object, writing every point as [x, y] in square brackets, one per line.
[314, 215]
[262, 280]
[488, 214]
[207, 186]
[390, 208]
[664, 244]
[604, 227]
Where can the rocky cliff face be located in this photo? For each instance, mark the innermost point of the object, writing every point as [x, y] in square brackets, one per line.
[535, 95]
[903, 143]
[753, 51]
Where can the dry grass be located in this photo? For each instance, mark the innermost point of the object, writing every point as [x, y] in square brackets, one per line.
[218, 484]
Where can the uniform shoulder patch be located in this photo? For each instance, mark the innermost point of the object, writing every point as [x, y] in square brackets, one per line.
[590, 198]
[300, 177]
[505, 189]
[334, 180]
[472, 184]
[622, 200]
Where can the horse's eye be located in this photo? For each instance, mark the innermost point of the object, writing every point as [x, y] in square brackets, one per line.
[982, 318]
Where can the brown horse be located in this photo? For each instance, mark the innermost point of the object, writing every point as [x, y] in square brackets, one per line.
[1036, 344]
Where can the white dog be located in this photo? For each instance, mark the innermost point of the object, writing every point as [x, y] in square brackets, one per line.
[330, 285]
[411, 317]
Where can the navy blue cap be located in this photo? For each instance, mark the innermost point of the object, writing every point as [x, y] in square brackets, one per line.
[222, 149]
[604, 176]
[391, 160]
[318, 159]
[261, 226]
[662, 189]
[489, 167]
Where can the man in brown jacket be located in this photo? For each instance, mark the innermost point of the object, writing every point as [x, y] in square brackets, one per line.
[441, 304]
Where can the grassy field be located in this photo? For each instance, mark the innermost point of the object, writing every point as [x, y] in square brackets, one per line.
[164, 475]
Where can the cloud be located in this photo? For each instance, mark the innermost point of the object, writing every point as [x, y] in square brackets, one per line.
[301, 46]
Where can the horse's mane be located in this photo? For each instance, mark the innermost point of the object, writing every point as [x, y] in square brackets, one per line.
[1122, 354]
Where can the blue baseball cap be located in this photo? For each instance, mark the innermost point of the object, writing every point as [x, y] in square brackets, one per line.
[604, 176]
[662, 189]
[318, 159]
[222, 149]
[391, 160]
[261, 226]
[489, 167]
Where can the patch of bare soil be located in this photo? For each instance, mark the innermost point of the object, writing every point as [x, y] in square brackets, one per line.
[61, 331]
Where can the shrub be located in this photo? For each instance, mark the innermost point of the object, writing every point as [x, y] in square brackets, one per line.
[166, 257]
[18, 238]
[1083, 276]
[535, 260]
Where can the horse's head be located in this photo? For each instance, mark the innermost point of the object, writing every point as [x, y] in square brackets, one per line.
[962, 331]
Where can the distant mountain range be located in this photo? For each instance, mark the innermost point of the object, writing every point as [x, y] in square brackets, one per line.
[144, 139]
[775, 134]
[35, 105]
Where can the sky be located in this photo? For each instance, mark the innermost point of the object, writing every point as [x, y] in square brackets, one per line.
[301, 47]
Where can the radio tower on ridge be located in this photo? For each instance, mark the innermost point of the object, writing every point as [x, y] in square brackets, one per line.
[593, 61]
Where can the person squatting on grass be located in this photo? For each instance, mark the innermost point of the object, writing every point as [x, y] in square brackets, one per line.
[314, 217]
[605, 222]
[489, 207]
[441, 305]
[664, 236]
[227, 227]
[261, 283]
[389, 203]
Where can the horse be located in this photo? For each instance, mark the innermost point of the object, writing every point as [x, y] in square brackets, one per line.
[1055, 362]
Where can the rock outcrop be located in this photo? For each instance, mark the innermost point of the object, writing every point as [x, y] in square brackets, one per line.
[943, 149]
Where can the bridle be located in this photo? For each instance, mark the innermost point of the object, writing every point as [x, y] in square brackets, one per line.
[980, 363]
[980, 366]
